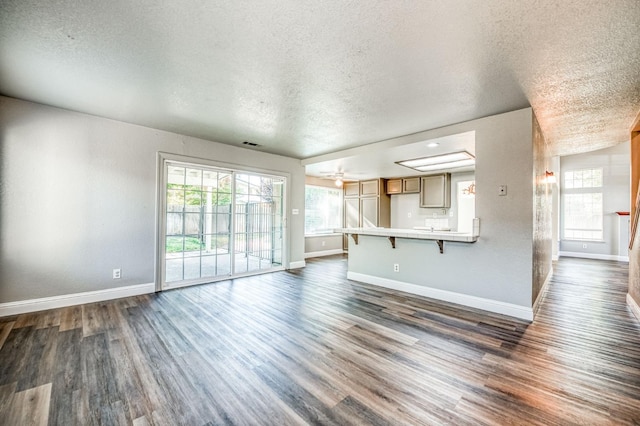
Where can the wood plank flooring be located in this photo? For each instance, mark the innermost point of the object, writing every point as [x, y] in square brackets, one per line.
[310, 347]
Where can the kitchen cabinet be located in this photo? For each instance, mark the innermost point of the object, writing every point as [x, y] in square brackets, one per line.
[403, 186]
[411, 185]
[394, 186]
[371, 187]
[351, 189]
[372, 208]
[435, 191]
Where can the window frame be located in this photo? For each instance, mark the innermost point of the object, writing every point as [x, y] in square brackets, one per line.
[582, 190]
[340, 215]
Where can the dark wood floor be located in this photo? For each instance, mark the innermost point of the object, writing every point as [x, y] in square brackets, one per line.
[310, 347]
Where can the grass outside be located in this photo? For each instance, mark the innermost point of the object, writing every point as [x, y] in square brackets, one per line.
[174, 244]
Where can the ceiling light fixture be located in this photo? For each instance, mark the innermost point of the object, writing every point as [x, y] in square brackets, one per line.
[440, 162]
[339, 180]
[433, 144]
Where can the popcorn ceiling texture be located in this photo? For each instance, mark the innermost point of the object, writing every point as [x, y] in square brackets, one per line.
[303, 78]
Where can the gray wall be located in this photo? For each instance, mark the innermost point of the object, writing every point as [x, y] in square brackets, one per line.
[499, 266]
[616, 175]
[78, 198]
[542, 213]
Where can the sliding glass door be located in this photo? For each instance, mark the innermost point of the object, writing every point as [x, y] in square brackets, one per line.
[219, 223]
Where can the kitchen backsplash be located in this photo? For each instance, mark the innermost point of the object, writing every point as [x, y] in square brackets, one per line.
[437, 223]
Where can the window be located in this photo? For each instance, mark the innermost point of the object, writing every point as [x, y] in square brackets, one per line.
[582, 199]
[322, 209]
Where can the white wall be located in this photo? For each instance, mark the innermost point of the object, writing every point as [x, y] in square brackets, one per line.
[78, 198]
[615, 163]
[407, 213]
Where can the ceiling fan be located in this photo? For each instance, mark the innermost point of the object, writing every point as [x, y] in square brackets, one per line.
[337, 177]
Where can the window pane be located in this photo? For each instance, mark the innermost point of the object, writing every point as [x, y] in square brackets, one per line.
[586, 178]
[323, 209]
[583, 216]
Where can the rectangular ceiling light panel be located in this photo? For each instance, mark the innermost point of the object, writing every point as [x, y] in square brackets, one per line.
[437, 162]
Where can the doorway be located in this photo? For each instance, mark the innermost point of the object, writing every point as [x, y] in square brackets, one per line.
[218, 223]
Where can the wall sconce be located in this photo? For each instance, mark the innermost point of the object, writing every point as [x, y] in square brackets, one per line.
[549, 177]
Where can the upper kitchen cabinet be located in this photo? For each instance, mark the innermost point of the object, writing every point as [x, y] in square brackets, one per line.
[394, 186]
[411, 185]
[371, 188]
[351, 189]
[403, 186]
[436, 191]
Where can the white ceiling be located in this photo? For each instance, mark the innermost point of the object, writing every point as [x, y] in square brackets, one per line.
[379, 161]
[305, 78]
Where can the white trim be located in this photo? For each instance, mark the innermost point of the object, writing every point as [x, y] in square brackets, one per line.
[594, 256]
[543, 292]
[33, 305]
[634, 306]
[323, 253]
[517, 311]
[219, 278]
[204, 163]
[297, 265]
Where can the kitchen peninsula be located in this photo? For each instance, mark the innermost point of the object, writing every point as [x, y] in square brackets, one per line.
[428, 263]
[438, 236]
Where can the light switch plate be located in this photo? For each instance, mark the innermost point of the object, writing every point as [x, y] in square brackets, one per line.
[502, 190]
[295, 211]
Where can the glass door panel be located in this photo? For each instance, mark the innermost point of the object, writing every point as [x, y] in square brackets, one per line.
[258, 223]
[211, 214]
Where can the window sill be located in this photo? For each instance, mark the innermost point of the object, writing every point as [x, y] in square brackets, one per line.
[320, 234]
[581, 241]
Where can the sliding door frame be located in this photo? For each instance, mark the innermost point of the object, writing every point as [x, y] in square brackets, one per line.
[161, 187]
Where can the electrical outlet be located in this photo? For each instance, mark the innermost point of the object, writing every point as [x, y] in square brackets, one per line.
[584, 246]
[502, 190]
[409, 215]
[116, 274]
[396, 267]
[323, 243]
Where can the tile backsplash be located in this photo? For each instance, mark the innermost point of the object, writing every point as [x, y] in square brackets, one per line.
[438, 223]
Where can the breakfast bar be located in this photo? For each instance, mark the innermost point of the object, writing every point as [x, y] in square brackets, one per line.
[439, 236]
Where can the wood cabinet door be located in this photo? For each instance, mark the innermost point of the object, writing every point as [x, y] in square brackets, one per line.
[394, 186]
[351, 213]
[369, 212]
[369, 187]
[435, 191]
[411, 185]
[351, 189]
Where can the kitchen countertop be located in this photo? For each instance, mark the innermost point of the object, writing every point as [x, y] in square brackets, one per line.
[418, 234]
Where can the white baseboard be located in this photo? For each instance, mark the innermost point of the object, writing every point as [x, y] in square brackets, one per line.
[34, 305]
[543, 291]
[594, 256]
[297, 265]
[634, 306]
[495, 306]
[323, 253]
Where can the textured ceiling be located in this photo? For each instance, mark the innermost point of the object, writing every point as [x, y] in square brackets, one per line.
[303, 78]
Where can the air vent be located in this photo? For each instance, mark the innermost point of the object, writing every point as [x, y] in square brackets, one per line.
[249, 143]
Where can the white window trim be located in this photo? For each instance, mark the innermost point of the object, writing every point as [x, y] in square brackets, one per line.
[587, 190]
[328, 232]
